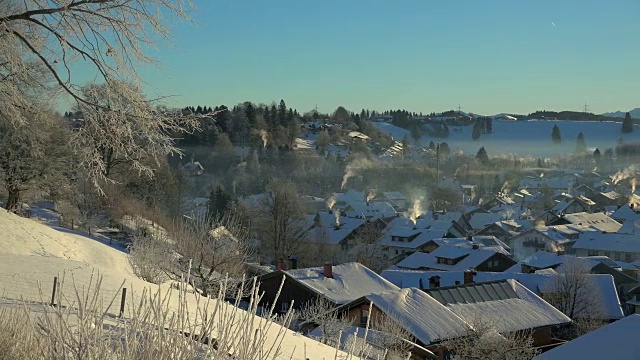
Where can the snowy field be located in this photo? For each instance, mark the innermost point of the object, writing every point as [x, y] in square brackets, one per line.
[528, 138]
[32, 253]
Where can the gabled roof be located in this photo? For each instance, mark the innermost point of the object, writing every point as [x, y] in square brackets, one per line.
[424, 237]
[608, 242]
[350, 281]
[625, 213]
[485, 242]
[420, 314]
[479, 221]
[505, 304]
[598, 221]
[469, 258]
[607, 294]
[617, 340]
[329, 233]
[370, 209]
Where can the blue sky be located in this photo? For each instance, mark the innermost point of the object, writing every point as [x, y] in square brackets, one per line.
[489, 56]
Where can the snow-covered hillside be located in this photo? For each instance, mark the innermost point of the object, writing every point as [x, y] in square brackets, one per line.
[528, 138]
[635, 113]
[397, 133]
[31, 254]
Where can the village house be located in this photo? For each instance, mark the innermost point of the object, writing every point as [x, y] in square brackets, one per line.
[622, 245]
[554, 239]
[625, 213]
[333, 234]
[339, 284]
[600, 287]
[400, 242]
[598, 221]
[615, 340]
[457, 258]
[485, 242]
[568, 204]
[503, 230]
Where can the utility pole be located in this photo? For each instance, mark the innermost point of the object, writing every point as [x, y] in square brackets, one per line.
[437, 164]
[459, 109]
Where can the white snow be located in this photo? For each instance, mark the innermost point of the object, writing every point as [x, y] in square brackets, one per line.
[31, 254]
[422, 315]
[350, 281]
[618, 340]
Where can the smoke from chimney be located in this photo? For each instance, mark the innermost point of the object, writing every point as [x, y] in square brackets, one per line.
[265, 139]
[415, 211]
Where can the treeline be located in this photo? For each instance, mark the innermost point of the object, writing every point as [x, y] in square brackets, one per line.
[569, 115]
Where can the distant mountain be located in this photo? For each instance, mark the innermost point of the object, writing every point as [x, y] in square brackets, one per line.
[635, 113]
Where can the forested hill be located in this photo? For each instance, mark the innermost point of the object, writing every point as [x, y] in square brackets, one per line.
[570, 115]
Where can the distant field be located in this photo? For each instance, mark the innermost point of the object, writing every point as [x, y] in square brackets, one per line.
[529, 138]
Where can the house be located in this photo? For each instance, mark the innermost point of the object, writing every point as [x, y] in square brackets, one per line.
[506, 305]
[553, 239]
[334, 232]
[597, 221]
[485, 242]
[428, 321]
[623, 245]
[573, 204]
[192, 168]
[395, 198]
[605, 199]
[339, 284]
[625, 213]
[457, 258]
[405, 241]
[544, 260]
[601, 287]
[617, 340]
[370, 210]
[503, 230]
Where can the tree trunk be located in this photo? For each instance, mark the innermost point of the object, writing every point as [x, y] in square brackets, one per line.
[14, 198]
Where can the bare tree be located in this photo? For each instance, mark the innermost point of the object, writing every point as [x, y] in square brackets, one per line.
[112, 38]
[283, 222]
[391, 336]
[331, 323]
[212, 252]
[574, 292]
[30, 153]
[483, 341]
[366, 249]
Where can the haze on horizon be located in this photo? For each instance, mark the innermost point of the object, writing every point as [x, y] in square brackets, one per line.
[488, 56]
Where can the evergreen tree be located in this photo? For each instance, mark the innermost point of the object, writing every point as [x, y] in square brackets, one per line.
[432, 146]
[627, 124]
[266, 114]
[199, 110]
[290, 116]
[250, 113]
[489, 125]
[555, 134]
[219, 203]
[444, 149]
[482, 155]
[597, 156]
[282, 113]
[477, 130]
[405, 146]
[274, 118]
[581, 145]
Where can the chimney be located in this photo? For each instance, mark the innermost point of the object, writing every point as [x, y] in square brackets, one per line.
[328, 270]
[475, 246]
[281, 265]
[434, 282]
[470, 238]
[294, 262]
[468, 276]
[420, 284]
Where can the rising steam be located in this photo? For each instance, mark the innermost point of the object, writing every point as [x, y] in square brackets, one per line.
[330, 202]
[415, 211]
[265, 138]
[352, 169]
[633, 186]
[336, 214]
[371, 195]
[624, 174]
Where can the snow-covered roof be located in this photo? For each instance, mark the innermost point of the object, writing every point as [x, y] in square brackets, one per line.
[479, 221]
[370, 209]
[424, 237]
[608, 303]
[485, 242]
[332, 234]
[625, 213]
[420, 314]
[608, 242]
[516, 307]
[471, 258]
[421, 223]
[350, 196]
[598, 221]
[394, 195]
[350, 281]
[616, 340]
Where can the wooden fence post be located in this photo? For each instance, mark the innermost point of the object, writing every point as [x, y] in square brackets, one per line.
[53, 293]
[71, 223]
[122, 301]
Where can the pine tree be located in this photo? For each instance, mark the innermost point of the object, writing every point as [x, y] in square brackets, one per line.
[581, 145]
[597, 156]
[482, 155]
[444, 149]
[627, 124]
[555, 134]
[250, 113]
[219, 203]
[282, 113]
[274, 118]
[477, 130]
